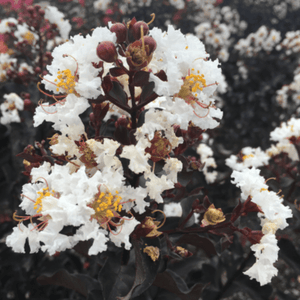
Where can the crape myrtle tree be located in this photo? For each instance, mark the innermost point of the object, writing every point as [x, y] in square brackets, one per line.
[140, 177]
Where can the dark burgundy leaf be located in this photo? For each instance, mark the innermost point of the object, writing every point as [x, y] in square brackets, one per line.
[116, 279]
[115, 72]
[147, 92]
[161, 75]
[289, 253]
[253, 288]
[141, 78]
[172, 282]
[200, 242]
[118, 93]
[79, 283]
[107, 84]
[146, 268]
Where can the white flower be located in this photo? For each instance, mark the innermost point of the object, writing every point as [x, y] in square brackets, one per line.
[9, 109]
[156, 186]
[17, 239]
[205, 153]
[62, 114]
[173, 209]
[137, 156]
[286, 131]
[75, 57]
[249, 181]
[172, 167]
[56, 17]
[121, 235]
[252, 157]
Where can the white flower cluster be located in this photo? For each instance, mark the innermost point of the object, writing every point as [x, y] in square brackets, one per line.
[206, 154]
[6, 63]
[251, 157]
[54, 16]
[10, 107]
[22, 32]
[291, 43]
[293, 88]
[273, 217]
[217, 32]
[101, 5]
[282, 135]
[262, 39]
[90, 189]
[255, 157]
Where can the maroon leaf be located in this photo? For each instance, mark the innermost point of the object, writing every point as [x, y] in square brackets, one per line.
[172, 282]
[79, 283]
[115, 72]
[141, 78]
[107, 84]
[200, 242]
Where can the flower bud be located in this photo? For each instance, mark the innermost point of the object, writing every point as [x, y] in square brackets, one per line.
[37, 70]
[136, 29]
[120, 30]
[30, 9]
[150, 42]
[27, 104]
[107, 52]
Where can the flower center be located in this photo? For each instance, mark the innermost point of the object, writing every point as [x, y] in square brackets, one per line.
[29, 37]
[67, 81]
[12, 106]
[247, 156]
[45, 193]
[106, 206]
[191, 84]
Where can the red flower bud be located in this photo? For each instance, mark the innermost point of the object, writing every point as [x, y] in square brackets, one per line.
[136, 29]
[120, 30]
[107, 52]
[150, 42]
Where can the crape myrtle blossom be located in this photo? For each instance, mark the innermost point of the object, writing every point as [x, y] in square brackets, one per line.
[58, 198]
[206, 154]
[192, 78]
[273, 217]
[249, 157]
[91, 189]
[72, 69]
[283, 135]
[10, 107]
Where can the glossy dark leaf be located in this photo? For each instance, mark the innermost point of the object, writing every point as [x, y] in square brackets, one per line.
[107, 84]
[253, 288]
[115, 72]
[79, 283]
[147, 92]
[172, 282]
[146, 268]
[116, 279]
[117, 92]
[289, 253]
[141, 78]
[200, 242]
